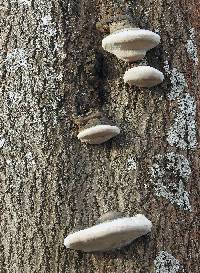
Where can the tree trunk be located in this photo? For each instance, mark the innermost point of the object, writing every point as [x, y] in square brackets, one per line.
[53, 70]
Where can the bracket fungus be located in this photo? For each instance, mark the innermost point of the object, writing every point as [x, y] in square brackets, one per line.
[96, 129]
[143, 76]
[109, 235]
[128, 42]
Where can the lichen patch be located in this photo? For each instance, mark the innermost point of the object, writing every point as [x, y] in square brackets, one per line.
[170, 174]
[178, 84]
[131, 164]
[182, 133]
[16, 59]
[166, 263]
[2, 141]
[192, 47]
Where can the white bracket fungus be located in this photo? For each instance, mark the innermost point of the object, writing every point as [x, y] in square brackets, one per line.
[143, 76]
[98, 134]
[97, 130]
[128, 42]
[109, 235]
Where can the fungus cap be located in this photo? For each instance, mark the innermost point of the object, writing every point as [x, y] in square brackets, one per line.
[130, 44]
[143, 76]
[98, 134]
[109, 235]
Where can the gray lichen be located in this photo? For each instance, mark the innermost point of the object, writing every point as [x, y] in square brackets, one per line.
[166, 263]
[182, 133]
[164, 171]
[192, 47]
[178, 84]
[131, 164]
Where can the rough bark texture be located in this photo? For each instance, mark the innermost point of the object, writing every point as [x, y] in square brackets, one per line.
[53, 69]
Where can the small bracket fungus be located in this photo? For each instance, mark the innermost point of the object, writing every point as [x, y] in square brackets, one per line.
[128, 42]
[96, 129]
[143, 76]
[109, 235]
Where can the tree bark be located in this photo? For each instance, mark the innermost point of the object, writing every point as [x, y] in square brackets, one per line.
[54, 69]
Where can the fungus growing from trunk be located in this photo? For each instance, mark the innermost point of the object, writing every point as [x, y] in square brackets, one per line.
[143, 76]
[109, 235]
[96, 129]
[128, 42]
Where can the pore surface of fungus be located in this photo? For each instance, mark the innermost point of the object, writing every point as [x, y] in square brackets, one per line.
[130, 44]
[143, 76]
[109, 235]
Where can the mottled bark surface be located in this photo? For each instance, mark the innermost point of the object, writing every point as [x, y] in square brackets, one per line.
[53, 69]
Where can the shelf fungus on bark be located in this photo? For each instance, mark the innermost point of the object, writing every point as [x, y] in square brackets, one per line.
[112, 233]
[128, 42]
[143, 76]
[96, 129]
